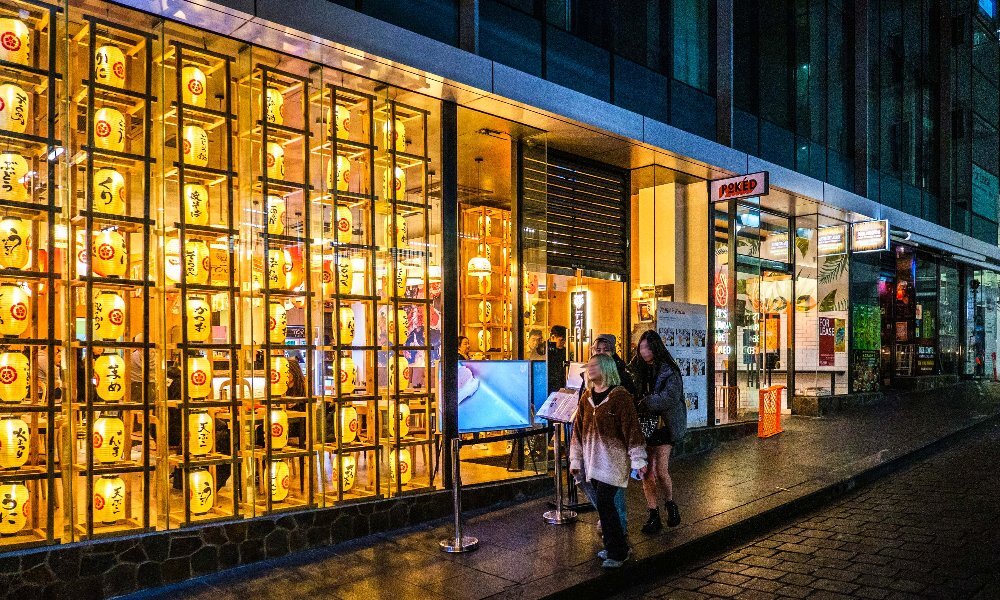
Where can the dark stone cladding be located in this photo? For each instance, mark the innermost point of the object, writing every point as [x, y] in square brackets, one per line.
[912, 388]
[103, 568]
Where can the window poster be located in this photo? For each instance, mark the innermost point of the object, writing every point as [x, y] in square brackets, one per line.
[684, 330]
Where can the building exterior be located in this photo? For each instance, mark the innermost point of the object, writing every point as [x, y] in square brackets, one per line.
[243, 243]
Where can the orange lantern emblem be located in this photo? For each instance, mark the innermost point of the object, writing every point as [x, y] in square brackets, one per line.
[280, 376]
[109, 499]
[108, 254]
[15, 42]
[109, 66]
[193, 84]
[277, 323]
[199, 377]
[14, 376]
[278, 475]
[274, 161]
[109, 129]
[15, 310]
[109, 315]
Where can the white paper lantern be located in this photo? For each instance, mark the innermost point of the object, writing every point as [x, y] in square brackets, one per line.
[277, 323]
[279, 428]
[348, 375]
[14, 434]
[279, 484]
[15, 376]
[274, 160]
[201, 491]
[109, 192]
[109, 439]
[109, 66]
[14, 180]
[199, 319]
[404, 420]
[15, 243]
[394, 136]
[108, 315]
[109, 499]
[275, 215]
[194, 146]
[15, 42]
[349, 424]
[274, 106]
[199, 377]
[197, 262]
[348, 471]
[15, 507]
[201, 433]
[108, 254]
[405, 466]
[14, 108]
[109, 377]
[338, 174]
[195, 204]
[193, 83]
[109, 129]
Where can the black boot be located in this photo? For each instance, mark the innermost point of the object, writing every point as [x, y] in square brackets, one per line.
[653, 523]
[673, 514]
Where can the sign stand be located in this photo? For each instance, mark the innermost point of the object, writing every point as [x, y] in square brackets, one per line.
[458, 543]
[560, 515]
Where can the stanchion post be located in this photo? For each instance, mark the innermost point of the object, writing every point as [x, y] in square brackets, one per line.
[458, 543]
[560, 515]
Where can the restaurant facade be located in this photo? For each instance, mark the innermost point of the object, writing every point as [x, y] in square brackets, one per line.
[238, 261]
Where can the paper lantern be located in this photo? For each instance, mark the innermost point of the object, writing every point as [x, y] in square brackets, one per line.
[109, 377]
[279, 428]
[108, 315]
[201, 433]
[348, 471]
[394, 137]
[347, 324]
[15, 375]
[348, 375]
[201, 490]
[14, 435]
[280, 376]
[340, 124]
[396, 234]
[195, 204]
[109, 129]
[533, 314]
[109, 193]
[14, 509]
[109, 499]
[199, 319]
[109, 439]
[277, 322]
[274, 160]
[172, 267]
[394, 187]
[349, 424]
[402, 461]
[479, 266]
[485, 250]
[195, 146]
[274, 106]
[108, 254]
[15, 311]
[219, 262]
[199, 383]
[404, 420]
[278, 476]
[109, 66]
[275, 215]
[197, 262]
[485, 285]
[399, 365]
[193, 83]
[345, 225]
[14, 180]
[277, 258]
[328, 279]
[15, 42]
[485, 339]
[485, 311]
[338, 174]
[485, 226]
[15, 243]
[396, 325]
[295, 268]
[14, 109]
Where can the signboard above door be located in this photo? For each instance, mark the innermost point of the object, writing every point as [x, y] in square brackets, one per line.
[741, 186]
[870, 236]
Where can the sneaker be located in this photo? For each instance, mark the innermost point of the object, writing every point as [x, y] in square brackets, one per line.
[673, 514]
[653, 523]
[610, 563]
[602, 554]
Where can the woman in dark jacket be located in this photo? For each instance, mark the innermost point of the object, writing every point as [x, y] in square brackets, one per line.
[661, 394]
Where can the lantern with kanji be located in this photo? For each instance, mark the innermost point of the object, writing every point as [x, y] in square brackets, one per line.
[109, 499]
[295, 267]
[201, 490]
[485, 311]
[14, 114]
[485, 284]
[400, 366]
[14, 376]
[278, 475]
[345, 225]
[394, 186]
[400, 460]
[109, 66]
[109, 376]
[275, 215]
[274, 106]
[108, 315]
[201, 433]
[15, 41]
[277, 258]
[219, 262]
[14, 510]
[347, 326]
[343, 274]
[195, 146]
[199, 319]
[279, 428]
[340, 124]
[199, 376]
[195, 204]
[109, 129]
[348, 375]
[485, 339]
[395, 231]
[14, 179]
[109, 193]
[15, 243]
[338, 174]
[348, 471]
[348, 424]
[280, 375]
[404, 420]
[398, 326]
[15, 310]
[193, 86]
[109, 439]
[108, 254]
[394, 136]
[13, 442]
[197, 261]
[277, 322]
[274, 161]
[485, 226]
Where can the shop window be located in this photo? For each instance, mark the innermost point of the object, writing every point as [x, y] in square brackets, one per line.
[949, 334]
[692, 36]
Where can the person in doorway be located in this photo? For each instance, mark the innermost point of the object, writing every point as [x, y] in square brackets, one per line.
[663, 416]
[606, 442]
[464, 346]
[536, 345]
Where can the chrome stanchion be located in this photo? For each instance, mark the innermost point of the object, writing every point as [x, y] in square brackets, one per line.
[458, 543]
[560, 515]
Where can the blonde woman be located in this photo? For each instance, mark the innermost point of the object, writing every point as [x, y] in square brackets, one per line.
[607, 442]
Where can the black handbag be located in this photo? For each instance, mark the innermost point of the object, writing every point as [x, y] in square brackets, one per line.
[648, 423]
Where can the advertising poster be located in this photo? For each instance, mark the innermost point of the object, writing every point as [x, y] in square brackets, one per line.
[684, 330]
[827, 342]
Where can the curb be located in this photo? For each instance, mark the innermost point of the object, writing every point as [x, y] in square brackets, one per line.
[669, 561]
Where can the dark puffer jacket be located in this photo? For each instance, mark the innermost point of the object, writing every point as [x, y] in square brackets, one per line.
[665, 397]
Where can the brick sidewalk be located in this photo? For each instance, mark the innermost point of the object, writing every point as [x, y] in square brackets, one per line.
[735, 489]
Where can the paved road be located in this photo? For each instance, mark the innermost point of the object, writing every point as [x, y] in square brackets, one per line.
[932, 531]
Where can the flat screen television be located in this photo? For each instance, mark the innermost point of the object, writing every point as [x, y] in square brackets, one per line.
[494, 395]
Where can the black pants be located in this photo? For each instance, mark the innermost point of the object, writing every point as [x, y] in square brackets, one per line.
[611, 523]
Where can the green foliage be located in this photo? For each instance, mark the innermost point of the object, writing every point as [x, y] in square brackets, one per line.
[832, 269]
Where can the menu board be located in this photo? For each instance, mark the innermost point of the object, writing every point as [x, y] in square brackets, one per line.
[684, 330]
